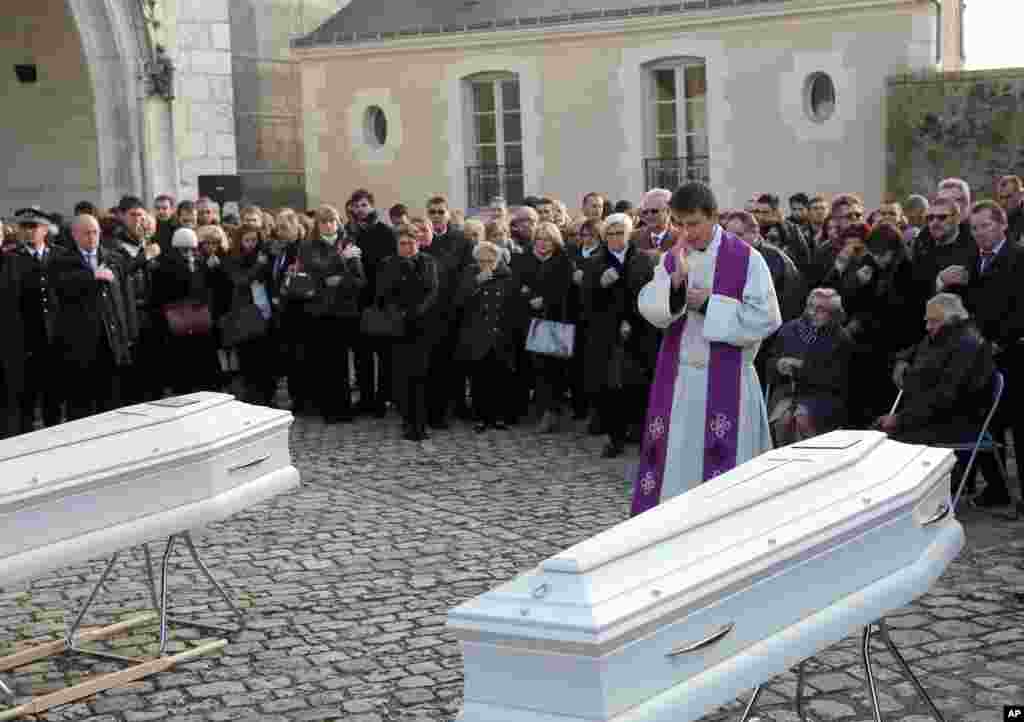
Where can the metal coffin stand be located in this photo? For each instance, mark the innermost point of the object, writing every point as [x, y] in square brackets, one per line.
[670, 614]
[212, 457]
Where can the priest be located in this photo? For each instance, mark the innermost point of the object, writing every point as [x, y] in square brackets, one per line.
[712, 294]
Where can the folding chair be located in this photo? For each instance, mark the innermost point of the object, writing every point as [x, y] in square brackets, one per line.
[984, 442]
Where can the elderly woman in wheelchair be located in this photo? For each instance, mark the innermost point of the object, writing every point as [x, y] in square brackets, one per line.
[808, 369]
[947, 383]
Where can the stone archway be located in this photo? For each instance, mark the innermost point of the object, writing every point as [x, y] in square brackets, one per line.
[113, 40]
[76, 131]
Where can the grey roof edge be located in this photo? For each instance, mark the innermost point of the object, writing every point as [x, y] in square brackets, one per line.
[317, 39]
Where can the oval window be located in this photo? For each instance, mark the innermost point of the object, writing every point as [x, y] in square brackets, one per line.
[820, 97]
[375, 126]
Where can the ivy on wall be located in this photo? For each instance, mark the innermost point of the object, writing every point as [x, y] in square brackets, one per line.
[968, 125]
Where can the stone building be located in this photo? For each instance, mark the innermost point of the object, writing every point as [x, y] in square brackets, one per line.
[93, 108]
[477, 98]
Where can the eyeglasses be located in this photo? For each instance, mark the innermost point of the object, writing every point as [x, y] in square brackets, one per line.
[938, 217]
[614, 233]
[651, 211]
[436, 211]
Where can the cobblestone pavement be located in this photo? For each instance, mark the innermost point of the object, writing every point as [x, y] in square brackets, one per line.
[349, 578]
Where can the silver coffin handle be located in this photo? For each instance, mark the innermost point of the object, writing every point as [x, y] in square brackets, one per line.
[701, 644]
[941, 513]
[248, 464]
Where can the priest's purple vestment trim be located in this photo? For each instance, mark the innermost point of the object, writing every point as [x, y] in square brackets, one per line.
[725, 367]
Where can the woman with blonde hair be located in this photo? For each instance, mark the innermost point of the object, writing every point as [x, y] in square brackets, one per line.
[330, 319]
[543, 278]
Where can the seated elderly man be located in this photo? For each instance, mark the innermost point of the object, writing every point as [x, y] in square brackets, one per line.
[947, 383]
[809, 367]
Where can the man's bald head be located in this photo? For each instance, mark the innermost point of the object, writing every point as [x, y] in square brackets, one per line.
[86, 231]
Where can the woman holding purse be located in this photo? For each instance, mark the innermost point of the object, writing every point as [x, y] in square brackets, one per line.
[543, 278]
[248, 269]
[183, 293]
[330, 318]
[407, 287]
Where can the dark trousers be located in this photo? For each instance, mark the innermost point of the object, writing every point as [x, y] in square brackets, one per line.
[191, 363]
[581, 400]
[42, 369]
[140, 384]
[447, 377]
[1010, 416]
[373, 371]
[10, 407]
[549, 376]
[331, 344]
[94, 387]
[414, 405]
[491, 398]
[256, 365]
[619, 408]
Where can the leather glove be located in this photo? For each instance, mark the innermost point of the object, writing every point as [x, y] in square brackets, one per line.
[609, 277]
[484, 276]
[333, 281]
[625, 330]
[537, 303]
[865, 274]
[213, 261]
[577, 276]
[262, 259]
[898, 372]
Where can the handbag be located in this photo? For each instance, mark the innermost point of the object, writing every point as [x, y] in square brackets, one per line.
[242, 324]
[551, 338]
[298, 286]
[188, 318]
[382, 322]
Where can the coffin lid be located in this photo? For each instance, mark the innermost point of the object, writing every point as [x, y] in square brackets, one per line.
[786, 503]
[42, 461]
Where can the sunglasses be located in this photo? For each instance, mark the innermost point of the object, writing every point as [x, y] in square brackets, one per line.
[436, 212]
[651, 211]
[937, 217]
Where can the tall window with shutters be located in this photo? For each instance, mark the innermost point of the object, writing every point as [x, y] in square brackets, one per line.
[495, 137]
[676, 121]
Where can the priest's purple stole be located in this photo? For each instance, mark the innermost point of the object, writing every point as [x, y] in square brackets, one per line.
[723, 396]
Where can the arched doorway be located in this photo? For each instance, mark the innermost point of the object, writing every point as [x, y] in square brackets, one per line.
[72, 111]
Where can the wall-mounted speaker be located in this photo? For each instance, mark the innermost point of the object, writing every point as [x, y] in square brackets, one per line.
[26, 73]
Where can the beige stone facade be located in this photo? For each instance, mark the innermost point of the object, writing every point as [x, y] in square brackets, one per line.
[585, 101]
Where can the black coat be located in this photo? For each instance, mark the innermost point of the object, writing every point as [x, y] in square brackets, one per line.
[930, 259]
[377, 242]
[12, 351]
[242, 270]
[949, 380]
[410, 285]
[90, 312]
[996, 299]
[173, 282]
[484, 324]
[322, 261]
[787, 278]
[550, 280]
[790, 238]
[38, 301]
[611, 361]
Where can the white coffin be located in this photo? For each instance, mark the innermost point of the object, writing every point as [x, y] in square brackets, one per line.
[795, 550]
[90, 487]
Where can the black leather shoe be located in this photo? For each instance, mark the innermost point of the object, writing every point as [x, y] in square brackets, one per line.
[501, 426]
[985, 500]
[611, 450]
[480, 427]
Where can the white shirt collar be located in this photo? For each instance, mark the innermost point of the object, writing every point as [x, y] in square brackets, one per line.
[621, 255]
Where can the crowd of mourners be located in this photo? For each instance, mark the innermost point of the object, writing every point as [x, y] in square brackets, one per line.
[515, 315]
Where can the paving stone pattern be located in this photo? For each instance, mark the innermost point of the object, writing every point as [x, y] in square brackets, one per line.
[348, 581]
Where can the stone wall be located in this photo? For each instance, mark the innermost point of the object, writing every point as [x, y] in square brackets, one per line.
[968, 124]
[199, 36]
[268, 98]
